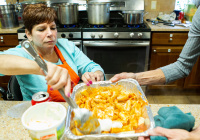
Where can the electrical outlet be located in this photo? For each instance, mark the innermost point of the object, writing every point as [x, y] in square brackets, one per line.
[153, 5]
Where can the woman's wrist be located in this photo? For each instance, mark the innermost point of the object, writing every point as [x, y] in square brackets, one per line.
[195, 134]
[150, 77]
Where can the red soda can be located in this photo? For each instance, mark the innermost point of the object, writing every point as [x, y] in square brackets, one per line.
[40, 97]
[181, 15]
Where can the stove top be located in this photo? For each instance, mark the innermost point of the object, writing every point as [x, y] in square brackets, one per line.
[116, 29]
[116, 25]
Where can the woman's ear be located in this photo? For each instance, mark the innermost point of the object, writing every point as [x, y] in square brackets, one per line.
[28, 34]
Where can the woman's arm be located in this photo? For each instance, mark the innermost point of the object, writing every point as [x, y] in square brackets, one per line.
[190, 53]
[57, 77]
[150, 77]
[143, 78]
[16, 65]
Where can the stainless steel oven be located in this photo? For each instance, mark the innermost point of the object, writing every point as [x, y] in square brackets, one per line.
[117, 47]
[116, 56]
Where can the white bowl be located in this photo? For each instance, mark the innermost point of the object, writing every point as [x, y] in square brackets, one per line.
[45, 120]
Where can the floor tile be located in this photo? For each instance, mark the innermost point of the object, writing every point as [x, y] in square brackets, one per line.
[194, 99]
[159, 99]
[0, 97]
[150, 99]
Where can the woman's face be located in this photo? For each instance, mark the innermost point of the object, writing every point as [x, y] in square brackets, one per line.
[43, 35]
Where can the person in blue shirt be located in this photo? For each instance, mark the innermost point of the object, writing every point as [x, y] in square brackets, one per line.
[64, 60]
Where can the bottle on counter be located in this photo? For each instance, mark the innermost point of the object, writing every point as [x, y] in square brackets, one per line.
[184, 20]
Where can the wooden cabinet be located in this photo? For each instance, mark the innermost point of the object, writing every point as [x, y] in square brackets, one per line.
[162, 56]
[165, 49]
[193, 80]
[7, 41]
[172, 39]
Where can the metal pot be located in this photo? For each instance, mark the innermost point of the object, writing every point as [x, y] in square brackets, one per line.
[98, 13]
[20, 8]
[8, 16]
[67, 13]
[133, 17]
[22, 5]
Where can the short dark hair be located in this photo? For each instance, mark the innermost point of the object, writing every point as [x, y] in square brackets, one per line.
[38, 13]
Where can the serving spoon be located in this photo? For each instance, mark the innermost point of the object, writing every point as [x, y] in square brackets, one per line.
[86, 122]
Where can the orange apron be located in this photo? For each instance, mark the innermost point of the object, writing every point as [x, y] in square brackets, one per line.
[55, 94]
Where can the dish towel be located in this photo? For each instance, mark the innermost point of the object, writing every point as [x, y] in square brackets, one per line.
[173, 117]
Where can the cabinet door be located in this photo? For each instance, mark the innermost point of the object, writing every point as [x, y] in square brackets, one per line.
[193, 80]
[4, 81]
[9, 40]
[169, 38]
[162, 56]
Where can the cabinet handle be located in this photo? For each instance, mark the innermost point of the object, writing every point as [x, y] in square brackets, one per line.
[170, 39]
[154, 51]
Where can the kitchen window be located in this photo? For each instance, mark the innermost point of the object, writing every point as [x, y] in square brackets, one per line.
[180, 4]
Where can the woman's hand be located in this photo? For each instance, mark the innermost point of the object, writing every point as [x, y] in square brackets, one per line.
[90, 77]
[123, 75]
[58, 77]
[171, 134]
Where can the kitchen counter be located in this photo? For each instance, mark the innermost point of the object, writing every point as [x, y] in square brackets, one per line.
[161, 27]
[9, 31]
[12, 128]
[158, 27]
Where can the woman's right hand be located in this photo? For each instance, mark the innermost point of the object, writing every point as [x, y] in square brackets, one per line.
[172, 134]
[58, 77]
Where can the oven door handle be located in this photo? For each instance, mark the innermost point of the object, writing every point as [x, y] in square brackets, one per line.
[118, 44]
[77, 43]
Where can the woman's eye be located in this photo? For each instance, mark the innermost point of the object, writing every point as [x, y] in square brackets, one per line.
[53, 28]
[40, 29]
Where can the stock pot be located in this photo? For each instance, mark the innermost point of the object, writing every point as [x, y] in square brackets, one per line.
[8, 16]
[133, 17]
[22, 5]
[98, 13]
[67, 13]
[20, 8]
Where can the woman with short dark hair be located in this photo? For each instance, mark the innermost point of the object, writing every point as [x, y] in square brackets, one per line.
[64, 60]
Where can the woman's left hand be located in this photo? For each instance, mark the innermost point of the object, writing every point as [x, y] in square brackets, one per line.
[90, 77]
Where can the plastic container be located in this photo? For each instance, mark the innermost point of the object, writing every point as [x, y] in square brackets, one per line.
[190, 10]
[177, 14]
[45, 120]
[128, 84]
